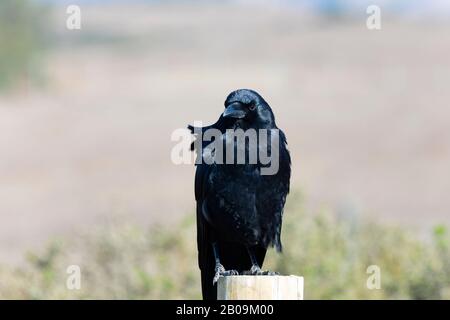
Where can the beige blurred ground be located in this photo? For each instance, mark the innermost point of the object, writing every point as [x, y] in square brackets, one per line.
[366, 114]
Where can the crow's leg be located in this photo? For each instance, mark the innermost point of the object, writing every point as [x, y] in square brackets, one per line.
[220, 270]
[255, 270]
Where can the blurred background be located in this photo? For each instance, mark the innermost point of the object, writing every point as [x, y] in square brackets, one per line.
[86, 117]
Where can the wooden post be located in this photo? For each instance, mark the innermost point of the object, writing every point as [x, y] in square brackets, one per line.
[260, 288]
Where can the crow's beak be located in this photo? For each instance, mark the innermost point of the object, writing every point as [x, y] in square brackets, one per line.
[235, 110]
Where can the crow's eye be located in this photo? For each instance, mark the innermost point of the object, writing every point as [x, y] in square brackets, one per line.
[252, 106]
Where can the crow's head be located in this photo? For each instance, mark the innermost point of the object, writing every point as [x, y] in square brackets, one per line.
[248, 106]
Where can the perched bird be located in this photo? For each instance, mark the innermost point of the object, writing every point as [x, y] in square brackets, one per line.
[239, 209]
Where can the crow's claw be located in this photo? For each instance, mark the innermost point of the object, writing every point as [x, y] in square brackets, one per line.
[256, 271]
[221, 272]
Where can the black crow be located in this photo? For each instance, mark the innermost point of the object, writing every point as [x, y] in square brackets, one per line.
[239, 209]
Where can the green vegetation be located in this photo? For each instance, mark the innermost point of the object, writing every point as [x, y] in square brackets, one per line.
[123, 261]
[21, 39]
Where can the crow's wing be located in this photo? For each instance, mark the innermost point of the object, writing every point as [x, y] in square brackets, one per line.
[272, 197]
[206, 261]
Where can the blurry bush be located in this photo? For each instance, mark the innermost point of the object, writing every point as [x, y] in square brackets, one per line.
[124, 261]
[21, 38]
